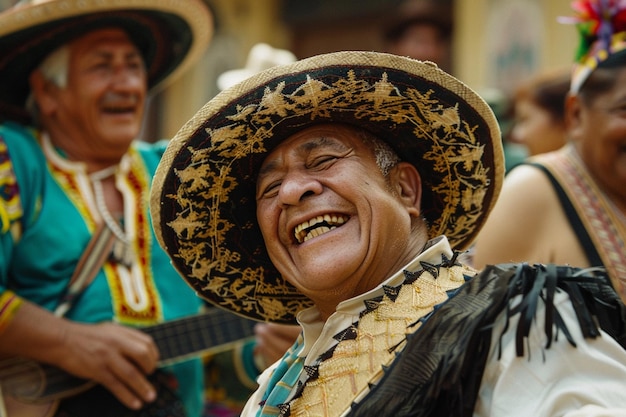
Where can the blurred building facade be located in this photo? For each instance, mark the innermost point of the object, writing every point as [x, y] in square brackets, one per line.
[493, 44]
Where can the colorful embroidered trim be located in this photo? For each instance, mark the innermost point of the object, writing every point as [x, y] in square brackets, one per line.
[134, 293]
[606, 230]
[9, 304]
[143, 305]
[10, 203]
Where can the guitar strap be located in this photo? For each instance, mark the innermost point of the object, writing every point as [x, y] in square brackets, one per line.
[98, 401]
[96, 253]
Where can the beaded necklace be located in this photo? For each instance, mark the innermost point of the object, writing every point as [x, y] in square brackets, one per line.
[122, 250]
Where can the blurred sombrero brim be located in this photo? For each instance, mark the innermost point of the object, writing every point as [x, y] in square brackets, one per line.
[170, 34]
[261, 57]
[203, 198]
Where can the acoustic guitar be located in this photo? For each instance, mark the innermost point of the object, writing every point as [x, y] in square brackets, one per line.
[33, 389]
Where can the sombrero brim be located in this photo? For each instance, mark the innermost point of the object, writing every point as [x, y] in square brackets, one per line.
[203, 198]
[170, 34]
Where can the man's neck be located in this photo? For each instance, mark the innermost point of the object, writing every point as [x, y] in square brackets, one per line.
[94, 158]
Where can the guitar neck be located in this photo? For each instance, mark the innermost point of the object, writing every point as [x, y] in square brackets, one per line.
[180, 339]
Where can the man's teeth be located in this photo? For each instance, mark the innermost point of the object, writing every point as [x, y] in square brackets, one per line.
[112, 109]
[318, 226]
[319, 231]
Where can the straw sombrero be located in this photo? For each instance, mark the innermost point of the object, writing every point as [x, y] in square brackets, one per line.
[203, 198]
[171, 34]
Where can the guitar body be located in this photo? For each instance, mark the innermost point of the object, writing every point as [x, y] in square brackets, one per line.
[31, 389]
[15, 408]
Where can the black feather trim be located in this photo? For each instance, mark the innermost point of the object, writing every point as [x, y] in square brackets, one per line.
[439, 371]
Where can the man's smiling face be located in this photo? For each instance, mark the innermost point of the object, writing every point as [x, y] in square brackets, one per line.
[99, 112]
[334, 226]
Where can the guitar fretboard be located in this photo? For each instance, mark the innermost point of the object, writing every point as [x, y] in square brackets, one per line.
[180, 339]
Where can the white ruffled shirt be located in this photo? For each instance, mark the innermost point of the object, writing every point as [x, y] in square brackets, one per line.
[588, 380]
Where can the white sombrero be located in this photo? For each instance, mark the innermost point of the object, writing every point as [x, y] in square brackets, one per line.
[261, 57]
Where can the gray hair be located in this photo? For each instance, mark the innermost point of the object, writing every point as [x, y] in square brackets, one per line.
[54, 68]
[386, 158]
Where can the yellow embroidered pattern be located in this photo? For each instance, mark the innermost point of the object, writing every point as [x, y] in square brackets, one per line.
[10, 202]
[9, 304]
[358, 363]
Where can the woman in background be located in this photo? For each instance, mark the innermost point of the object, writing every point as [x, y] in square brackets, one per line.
[538, 106]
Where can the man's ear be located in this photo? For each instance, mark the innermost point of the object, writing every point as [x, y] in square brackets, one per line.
[43, 91]
[408, 184]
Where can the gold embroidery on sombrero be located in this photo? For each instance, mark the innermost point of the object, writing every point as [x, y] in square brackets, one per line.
[346, 372]
[207, 182]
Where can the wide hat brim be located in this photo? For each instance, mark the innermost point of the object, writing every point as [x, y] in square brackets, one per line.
[170, 34]
[203, 197]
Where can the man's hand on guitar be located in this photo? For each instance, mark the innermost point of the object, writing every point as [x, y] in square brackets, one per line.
[115, 356]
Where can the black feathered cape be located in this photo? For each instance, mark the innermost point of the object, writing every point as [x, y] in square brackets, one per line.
[440, 370]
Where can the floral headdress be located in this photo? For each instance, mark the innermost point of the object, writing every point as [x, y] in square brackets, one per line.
[602, 28]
